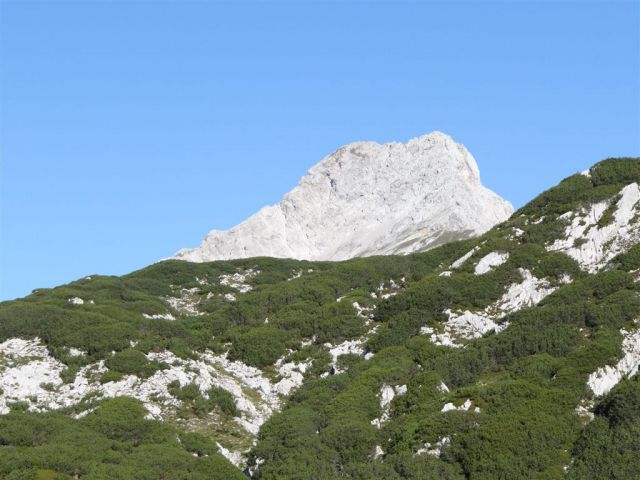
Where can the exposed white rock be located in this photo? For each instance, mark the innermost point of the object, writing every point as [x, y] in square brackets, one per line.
[251, 471]
[437, 450]
[76, 301]
[292, 374]
[564, 279]
[442, 388]
[527, 293]
[295, 274]
[490, 261]
[229, 297]
[347, 347]
[307, 342]
[459, 262]
[75, 352]
[445, 338]
[186, 302]
[365, 312]
[238, 280]
[585, 410]
[469, 325]
[29, 373]
[26, 368]
[604, 379]
[387, 394]
[592, 247]
[368, 199]
[355, 347]
[378, 452]
[461, 408]
[385, 291]
[234, 457]
[159, 316]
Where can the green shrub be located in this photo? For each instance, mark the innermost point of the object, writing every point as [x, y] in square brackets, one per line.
[616, 171]
[629, 260]
[200, 404]
[259, 346]
[131, 362]
[224, 400]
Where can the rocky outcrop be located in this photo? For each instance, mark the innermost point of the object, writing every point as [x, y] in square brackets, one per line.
[368, 199]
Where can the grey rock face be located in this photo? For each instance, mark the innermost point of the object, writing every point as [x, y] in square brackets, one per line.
[368, 199]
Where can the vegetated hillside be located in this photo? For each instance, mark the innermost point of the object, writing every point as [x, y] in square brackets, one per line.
[509, 356]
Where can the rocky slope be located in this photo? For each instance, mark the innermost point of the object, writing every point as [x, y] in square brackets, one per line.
[368, 199]
[511, 355]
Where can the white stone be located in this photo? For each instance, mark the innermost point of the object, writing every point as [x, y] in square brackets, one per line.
[490, 261]
[469, 325]
[585, 410]
[378, 452]
[443, 388]
[159, 316]
[461, 408]
[74, 352]
[459, 262]
[363, 312]
[292, 374]
[596, 246]
[368, 199]
[238, 280]
[527, 293]
[387, 394]
[234, 457]
[347, 347]
[295, 274]
[186, 302]
[604, 379]
[76, 301]
[29, 373]
[434, 452]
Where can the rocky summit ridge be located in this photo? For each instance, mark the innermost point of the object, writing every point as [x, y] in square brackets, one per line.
[368, 199]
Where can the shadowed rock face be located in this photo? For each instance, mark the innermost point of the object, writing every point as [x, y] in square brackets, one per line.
[368, 199]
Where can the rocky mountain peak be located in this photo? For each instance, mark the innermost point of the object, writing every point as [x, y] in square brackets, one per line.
[368, 199]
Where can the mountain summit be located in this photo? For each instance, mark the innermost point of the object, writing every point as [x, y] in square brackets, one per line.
[368, 199]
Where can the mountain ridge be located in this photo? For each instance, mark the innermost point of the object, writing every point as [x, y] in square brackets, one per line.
[368, 199]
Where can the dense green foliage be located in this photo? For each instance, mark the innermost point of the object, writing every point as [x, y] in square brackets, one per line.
[525, 381]
[113, 442]
[194, 401]
[608, 447]
[296, 309]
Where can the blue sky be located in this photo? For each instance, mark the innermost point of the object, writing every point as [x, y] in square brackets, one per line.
[130, 129]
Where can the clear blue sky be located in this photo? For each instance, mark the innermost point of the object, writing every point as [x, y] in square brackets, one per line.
[130, 129]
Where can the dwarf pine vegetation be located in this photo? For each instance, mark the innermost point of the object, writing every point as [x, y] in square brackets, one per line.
[499, 405]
